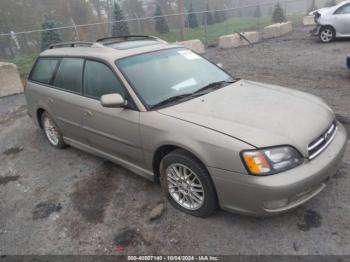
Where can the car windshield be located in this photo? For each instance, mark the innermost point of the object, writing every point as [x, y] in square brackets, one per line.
[166, 74]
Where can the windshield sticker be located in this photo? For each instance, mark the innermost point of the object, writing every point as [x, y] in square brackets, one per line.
[185, 84]
[189, 54]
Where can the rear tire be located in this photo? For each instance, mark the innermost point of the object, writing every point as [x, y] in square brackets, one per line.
[187, 184]
[327, 34]
[51, 131]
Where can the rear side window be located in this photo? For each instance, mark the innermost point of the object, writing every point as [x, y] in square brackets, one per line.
[99, 80]
[69, 75]
[44, 70]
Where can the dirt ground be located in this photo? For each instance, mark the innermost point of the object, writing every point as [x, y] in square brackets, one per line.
[69, 202]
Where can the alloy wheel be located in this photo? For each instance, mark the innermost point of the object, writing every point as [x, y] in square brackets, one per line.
[326, 35]
[184, 186]
[51, 131]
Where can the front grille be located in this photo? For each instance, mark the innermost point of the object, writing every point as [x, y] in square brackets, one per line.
[320, 143]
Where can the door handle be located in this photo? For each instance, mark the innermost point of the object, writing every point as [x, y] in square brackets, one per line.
[50, 100]
[88, 113]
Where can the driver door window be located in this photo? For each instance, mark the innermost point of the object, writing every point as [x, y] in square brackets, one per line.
[99, 80]
[342, 20]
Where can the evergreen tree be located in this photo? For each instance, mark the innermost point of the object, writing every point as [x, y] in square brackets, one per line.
[257, 12]
[208, 17]
[313, 6]
[278, 14]
[51, 36]
[192, 18]
[161, 25]
[119, 28]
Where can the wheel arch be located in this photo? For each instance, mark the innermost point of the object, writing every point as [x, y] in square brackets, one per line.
[165, 149]
[39, 113]
[329, 25]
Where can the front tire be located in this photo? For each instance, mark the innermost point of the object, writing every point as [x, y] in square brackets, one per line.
[327, 34]
[187, 184]
[52, 132]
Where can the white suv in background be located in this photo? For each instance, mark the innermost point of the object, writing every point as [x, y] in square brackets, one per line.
[332, 22]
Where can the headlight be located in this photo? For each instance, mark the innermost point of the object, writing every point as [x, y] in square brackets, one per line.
[270, 161]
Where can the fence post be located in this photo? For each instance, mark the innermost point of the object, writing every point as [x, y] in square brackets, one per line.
[139, 24]
[181, 7]
[75, 29]
[206, 29]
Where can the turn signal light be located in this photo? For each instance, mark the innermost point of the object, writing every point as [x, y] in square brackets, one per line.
[256, 163]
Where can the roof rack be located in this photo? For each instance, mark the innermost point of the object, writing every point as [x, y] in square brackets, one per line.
[127, 38]
[70, 44]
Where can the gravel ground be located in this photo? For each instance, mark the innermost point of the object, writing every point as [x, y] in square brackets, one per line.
[296, 61]
[69, 202]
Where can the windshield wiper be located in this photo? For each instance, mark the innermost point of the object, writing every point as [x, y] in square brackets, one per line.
[213, 86]
[171, 99]
[199, 92]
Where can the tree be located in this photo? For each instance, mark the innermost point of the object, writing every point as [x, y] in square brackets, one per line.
[192, 18]
[133, 8]
[208, 17]
[257, 12]
[119, 28]
[49, 37]
[278, 14]
[161, 25]
[313, 6]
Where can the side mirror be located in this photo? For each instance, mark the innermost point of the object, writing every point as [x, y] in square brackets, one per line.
[220, 65]
[113, 100]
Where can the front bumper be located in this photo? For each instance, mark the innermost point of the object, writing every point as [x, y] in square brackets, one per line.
[248, 194]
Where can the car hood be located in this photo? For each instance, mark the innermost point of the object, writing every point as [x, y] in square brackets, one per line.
[261, 115]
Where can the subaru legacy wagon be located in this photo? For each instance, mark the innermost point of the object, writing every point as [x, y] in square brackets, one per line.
[168, 114]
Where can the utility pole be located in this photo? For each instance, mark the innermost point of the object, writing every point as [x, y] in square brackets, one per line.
[181, 6]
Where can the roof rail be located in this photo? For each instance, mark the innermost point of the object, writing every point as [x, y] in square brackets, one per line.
[127, 38]
[70, 44]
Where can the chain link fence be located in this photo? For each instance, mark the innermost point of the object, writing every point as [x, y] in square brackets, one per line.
[18, 46]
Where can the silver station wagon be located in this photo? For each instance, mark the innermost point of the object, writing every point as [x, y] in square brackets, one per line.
[166, 113]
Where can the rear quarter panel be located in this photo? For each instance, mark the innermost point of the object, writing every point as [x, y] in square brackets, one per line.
[36, 97]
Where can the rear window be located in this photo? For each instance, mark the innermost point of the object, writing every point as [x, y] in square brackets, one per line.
[44, 70]
[69, 75]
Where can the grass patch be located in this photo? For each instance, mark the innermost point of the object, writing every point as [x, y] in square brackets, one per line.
[214, 31]
[230, 26]
[24, 63]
